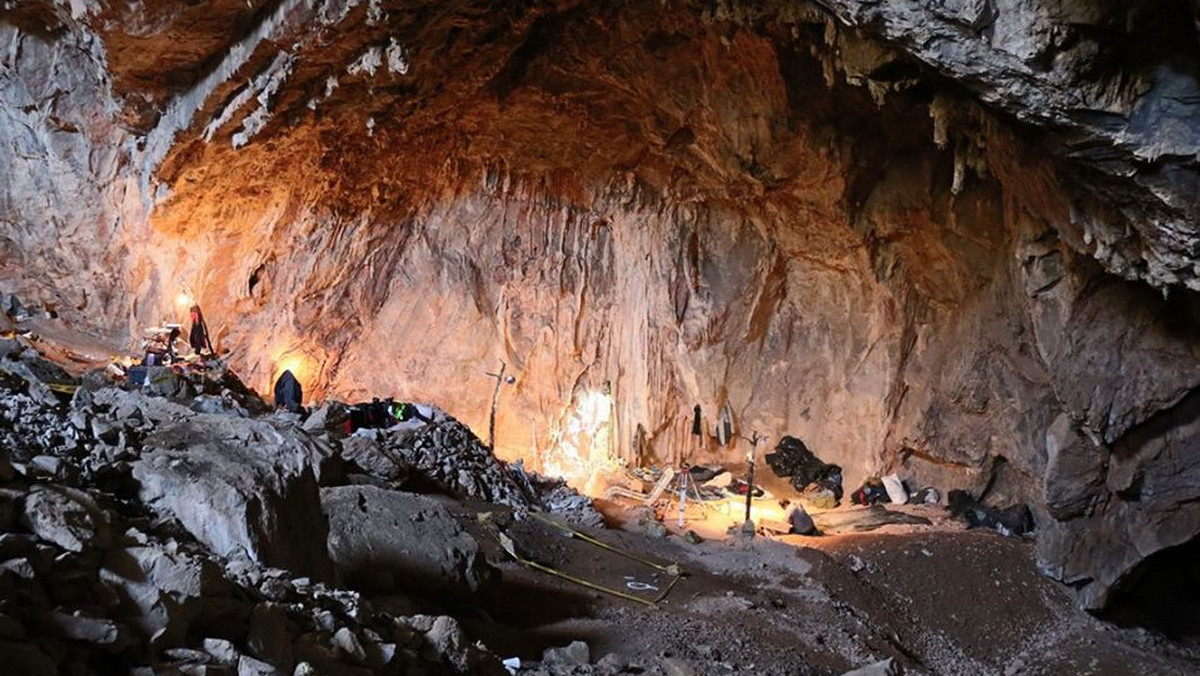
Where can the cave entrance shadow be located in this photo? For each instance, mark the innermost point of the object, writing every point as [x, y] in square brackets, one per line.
[1162, 594]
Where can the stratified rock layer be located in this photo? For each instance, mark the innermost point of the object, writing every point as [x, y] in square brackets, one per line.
[953, 240]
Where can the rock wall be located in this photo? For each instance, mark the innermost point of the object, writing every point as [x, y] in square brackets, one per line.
[955, 241]
[63, 190]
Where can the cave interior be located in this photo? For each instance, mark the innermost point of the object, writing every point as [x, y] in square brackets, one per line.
[954, 242]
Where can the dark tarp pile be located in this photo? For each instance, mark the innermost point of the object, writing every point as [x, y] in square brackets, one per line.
[794, 461]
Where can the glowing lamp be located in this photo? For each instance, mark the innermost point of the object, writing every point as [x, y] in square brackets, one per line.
[294, 363]
[184, 299]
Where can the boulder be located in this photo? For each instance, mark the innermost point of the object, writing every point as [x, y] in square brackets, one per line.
[269, 639]
[248, 666]
[1074, 470]
[239, 484]
[446, 641]
[886, 667]
[67, 517]
[163, 593]
[99, 631]
[320, 418]
[38, 373]
[381, 540]
[371, 457]
[133, 407]
[574, 654]
[1145, 500]
[221, 651]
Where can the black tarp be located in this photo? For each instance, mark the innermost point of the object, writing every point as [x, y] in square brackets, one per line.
[793, 460]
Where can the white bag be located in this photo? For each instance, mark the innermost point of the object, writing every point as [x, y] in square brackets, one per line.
[895, 489]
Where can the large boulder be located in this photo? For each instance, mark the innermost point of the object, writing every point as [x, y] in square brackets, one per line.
[66, 516]
[1145, 500]
[1074, 476]
[163, 593]
[382, 539]
[239, 484]
[370, 456]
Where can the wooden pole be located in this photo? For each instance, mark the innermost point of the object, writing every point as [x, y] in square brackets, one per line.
[750, 473]
[495, 399]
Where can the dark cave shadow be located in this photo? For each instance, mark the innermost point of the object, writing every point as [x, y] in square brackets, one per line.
[1162, 594]
[524, 605]
[518, 618]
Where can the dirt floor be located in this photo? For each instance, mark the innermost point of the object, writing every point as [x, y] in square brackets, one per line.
[937, 598]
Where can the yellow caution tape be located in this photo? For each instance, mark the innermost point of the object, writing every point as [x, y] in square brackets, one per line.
[508, 545]
[672, 569]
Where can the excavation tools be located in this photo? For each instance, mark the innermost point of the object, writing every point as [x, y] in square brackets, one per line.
[686, 484]
[509, 546]
[500, 379]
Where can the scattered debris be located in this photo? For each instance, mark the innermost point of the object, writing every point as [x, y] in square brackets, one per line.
[793, 460]
[1014, 520]
[872, 492]
[574, 654]
[141, 534]
[447, 454]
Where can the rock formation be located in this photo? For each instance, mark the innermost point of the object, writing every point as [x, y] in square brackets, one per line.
[163, 538]
[956, 240]
[382, 537]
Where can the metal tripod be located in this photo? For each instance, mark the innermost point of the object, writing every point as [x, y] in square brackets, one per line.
[685, 484]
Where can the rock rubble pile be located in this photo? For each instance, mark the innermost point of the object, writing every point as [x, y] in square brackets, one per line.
[447, 454]
[140, 534]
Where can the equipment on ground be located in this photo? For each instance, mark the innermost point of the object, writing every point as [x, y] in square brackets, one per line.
[509, 546]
